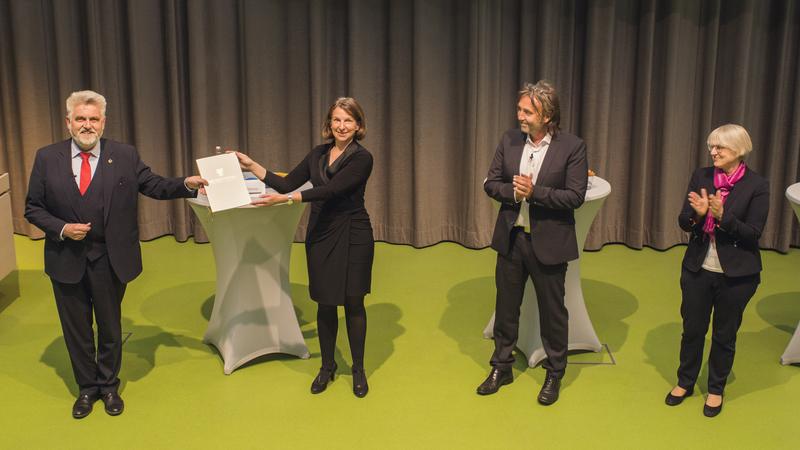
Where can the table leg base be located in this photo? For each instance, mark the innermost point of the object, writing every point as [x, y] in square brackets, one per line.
[229, 365]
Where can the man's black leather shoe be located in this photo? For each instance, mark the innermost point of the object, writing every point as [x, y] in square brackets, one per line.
[674, 400]
[496, 378]
[324, 376]
[360, 386]
[83, 405]
[113, 402]
[549, 393]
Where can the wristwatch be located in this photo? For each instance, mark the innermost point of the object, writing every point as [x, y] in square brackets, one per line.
[290, 200]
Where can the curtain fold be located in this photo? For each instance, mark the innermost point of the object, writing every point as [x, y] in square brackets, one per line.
[643, 82]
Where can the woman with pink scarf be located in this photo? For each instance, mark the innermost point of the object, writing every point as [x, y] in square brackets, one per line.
[725, 210]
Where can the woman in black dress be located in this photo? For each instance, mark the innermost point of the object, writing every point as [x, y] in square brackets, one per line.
[725, 211]
[339, 243]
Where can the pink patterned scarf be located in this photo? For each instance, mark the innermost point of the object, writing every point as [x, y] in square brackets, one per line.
[724, 183]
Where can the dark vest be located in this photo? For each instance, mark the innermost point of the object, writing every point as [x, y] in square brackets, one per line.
[91, 210]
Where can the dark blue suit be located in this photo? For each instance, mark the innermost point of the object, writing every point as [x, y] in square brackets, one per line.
[89, 276]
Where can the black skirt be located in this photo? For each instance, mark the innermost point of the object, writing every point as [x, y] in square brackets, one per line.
[340, 254]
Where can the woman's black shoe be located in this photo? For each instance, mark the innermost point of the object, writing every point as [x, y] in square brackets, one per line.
[360, 386]
[674, 400]
[324, 376]
[712, 411]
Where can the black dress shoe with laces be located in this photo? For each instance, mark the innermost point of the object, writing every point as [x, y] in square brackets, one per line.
[360, 386]
[322, 379]
[113, 402]
[496, 379]
[549, 393]
[83, 405]
[712, 411]
[675, 400]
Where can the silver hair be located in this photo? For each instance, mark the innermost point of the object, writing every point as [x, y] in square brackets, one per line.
[86, 98]
[731, 136]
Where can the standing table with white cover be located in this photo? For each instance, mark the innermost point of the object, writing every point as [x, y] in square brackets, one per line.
[581, 332]
[792, 353]
[253, 314]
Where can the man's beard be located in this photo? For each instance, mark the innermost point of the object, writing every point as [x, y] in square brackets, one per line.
[86, 141]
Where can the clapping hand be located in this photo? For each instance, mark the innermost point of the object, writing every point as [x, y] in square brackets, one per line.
[523, 186]
[715, 205]
[699, 202]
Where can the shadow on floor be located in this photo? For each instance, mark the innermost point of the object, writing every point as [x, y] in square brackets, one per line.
[608, 306]
[177, 307]
[782, 311]
[755, 350]
[471, 304]
[9, 290]
[138, 353]
[383, 327]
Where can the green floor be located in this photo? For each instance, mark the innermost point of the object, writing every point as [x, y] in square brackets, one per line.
[425, 357]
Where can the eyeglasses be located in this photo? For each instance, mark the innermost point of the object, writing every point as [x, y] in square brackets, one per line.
[718, 148]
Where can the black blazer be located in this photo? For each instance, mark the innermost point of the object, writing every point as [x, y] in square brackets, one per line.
[52, 202]
[743, 218]
[559, 190]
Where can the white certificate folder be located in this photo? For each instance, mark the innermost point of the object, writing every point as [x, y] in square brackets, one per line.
[226, 187]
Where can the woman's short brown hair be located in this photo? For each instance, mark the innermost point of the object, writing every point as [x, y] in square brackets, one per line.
[351, 107]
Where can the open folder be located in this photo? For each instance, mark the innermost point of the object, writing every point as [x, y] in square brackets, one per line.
[226, 187]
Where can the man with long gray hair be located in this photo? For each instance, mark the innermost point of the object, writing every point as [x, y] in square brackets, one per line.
[539, 176]
[83, 193]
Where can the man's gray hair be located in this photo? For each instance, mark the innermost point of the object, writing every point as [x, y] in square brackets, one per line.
[86, 98]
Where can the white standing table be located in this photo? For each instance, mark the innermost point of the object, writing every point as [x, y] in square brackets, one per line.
[792, 353]
[253, 314]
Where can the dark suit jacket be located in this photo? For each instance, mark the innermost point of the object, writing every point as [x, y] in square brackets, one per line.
[744, 215]
[558, 191]
[52, 203]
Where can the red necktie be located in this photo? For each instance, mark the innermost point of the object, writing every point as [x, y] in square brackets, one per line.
[86, 172]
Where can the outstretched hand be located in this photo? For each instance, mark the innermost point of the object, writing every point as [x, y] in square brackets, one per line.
[195, 182]
[247, 163]
[269, 200]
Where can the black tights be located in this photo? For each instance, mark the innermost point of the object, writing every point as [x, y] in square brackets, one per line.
[328, 325]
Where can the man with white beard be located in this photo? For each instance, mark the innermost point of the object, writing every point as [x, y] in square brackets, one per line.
[83, 193]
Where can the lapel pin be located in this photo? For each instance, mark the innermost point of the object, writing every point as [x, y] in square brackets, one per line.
[110, 160]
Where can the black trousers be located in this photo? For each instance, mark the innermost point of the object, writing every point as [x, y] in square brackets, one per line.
[706, 293]
[100, 293]
[511, 274]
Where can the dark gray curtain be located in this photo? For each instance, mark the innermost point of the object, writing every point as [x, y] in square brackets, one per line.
[643, 82]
